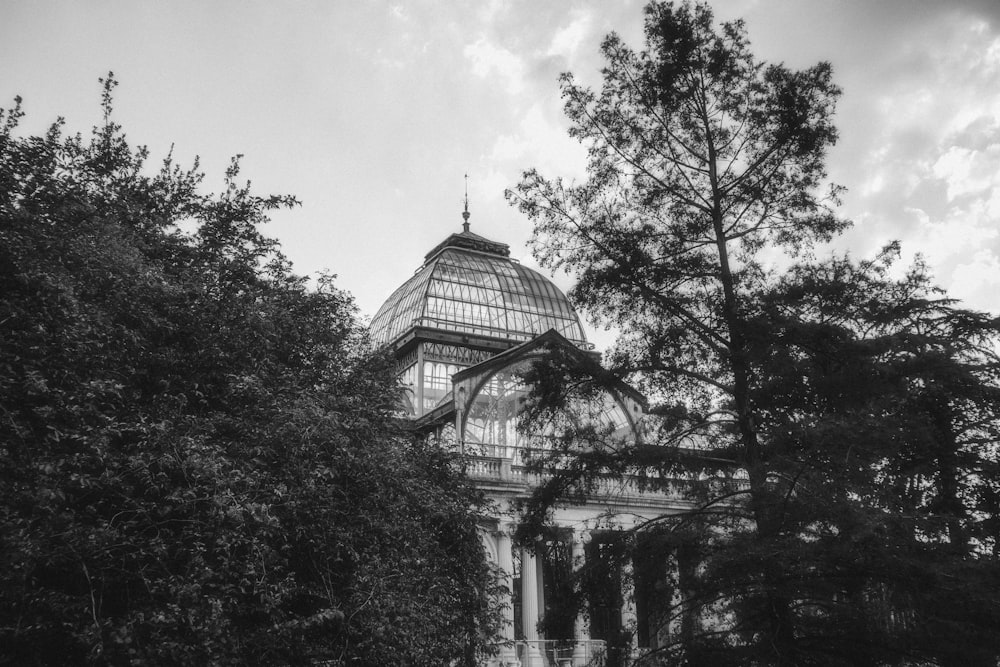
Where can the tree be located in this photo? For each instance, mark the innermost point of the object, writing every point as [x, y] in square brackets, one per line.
[878, 397]
[702, 160]
[200, 461]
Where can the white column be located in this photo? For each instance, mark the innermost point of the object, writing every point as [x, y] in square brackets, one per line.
[581, 633]
[630, 620]
[529, 609]
[505, 560]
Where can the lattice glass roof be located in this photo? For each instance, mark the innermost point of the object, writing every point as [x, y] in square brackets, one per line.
[468, 291]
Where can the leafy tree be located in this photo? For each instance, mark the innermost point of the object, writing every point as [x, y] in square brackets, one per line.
[837, 429]
[878, 401]
[200, 464]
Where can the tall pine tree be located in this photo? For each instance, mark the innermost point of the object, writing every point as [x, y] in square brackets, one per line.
[834, 428]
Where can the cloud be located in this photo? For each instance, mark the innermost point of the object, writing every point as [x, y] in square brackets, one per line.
[489, 59]
[566, 42]
[977, 282]
[543, 141]
[970, 171]
[929, 172]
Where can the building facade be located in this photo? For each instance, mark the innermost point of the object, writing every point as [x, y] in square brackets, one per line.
[465, 329]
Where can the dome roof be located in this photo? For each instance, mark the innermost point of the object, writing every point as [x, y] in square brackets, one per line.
[469, 284]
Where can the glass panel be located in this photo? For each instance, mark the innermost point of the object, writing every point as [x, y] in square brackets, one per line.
[401, 309]
[437, 383]
[408, 380]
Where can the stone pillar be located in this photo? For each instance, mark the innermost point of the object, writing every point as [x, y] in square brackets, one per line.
[505, 560]
[529, 609]
[630, 620]
[581, 633]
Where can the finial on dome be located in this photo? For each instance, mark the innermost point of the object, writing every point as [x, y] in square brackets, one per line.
[465, 213]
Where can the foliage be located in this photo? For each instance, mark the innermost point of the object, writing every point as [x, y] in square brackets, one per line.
[833, 429]
[881, 397]
[200, 464]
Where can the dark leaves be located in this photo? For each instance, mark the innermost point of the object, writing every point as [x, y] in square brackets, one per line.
[199, 459]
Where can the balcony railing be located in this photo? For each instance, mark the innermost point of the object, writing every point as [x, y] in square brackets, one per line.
[557, 653]
[513, 469]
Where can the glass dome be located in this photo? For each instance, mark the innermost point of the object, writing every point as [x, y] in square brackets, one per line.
[482, 293]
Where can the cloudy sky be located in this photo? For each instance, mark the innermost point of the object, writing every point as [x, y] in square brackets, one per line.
[371, 112]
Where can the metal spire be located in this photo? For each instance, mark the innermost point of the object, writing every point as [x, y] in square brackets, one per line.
[465, 213]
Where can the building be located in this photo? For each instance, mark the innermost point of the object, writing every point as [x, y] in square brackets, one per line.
[464, 329]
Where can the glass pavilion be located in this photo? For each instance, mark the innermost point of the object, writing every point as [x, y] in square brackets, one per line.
[464, 330]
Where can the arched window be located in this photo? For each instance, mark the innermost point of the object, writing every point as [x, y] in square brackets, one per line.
[493, 426]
